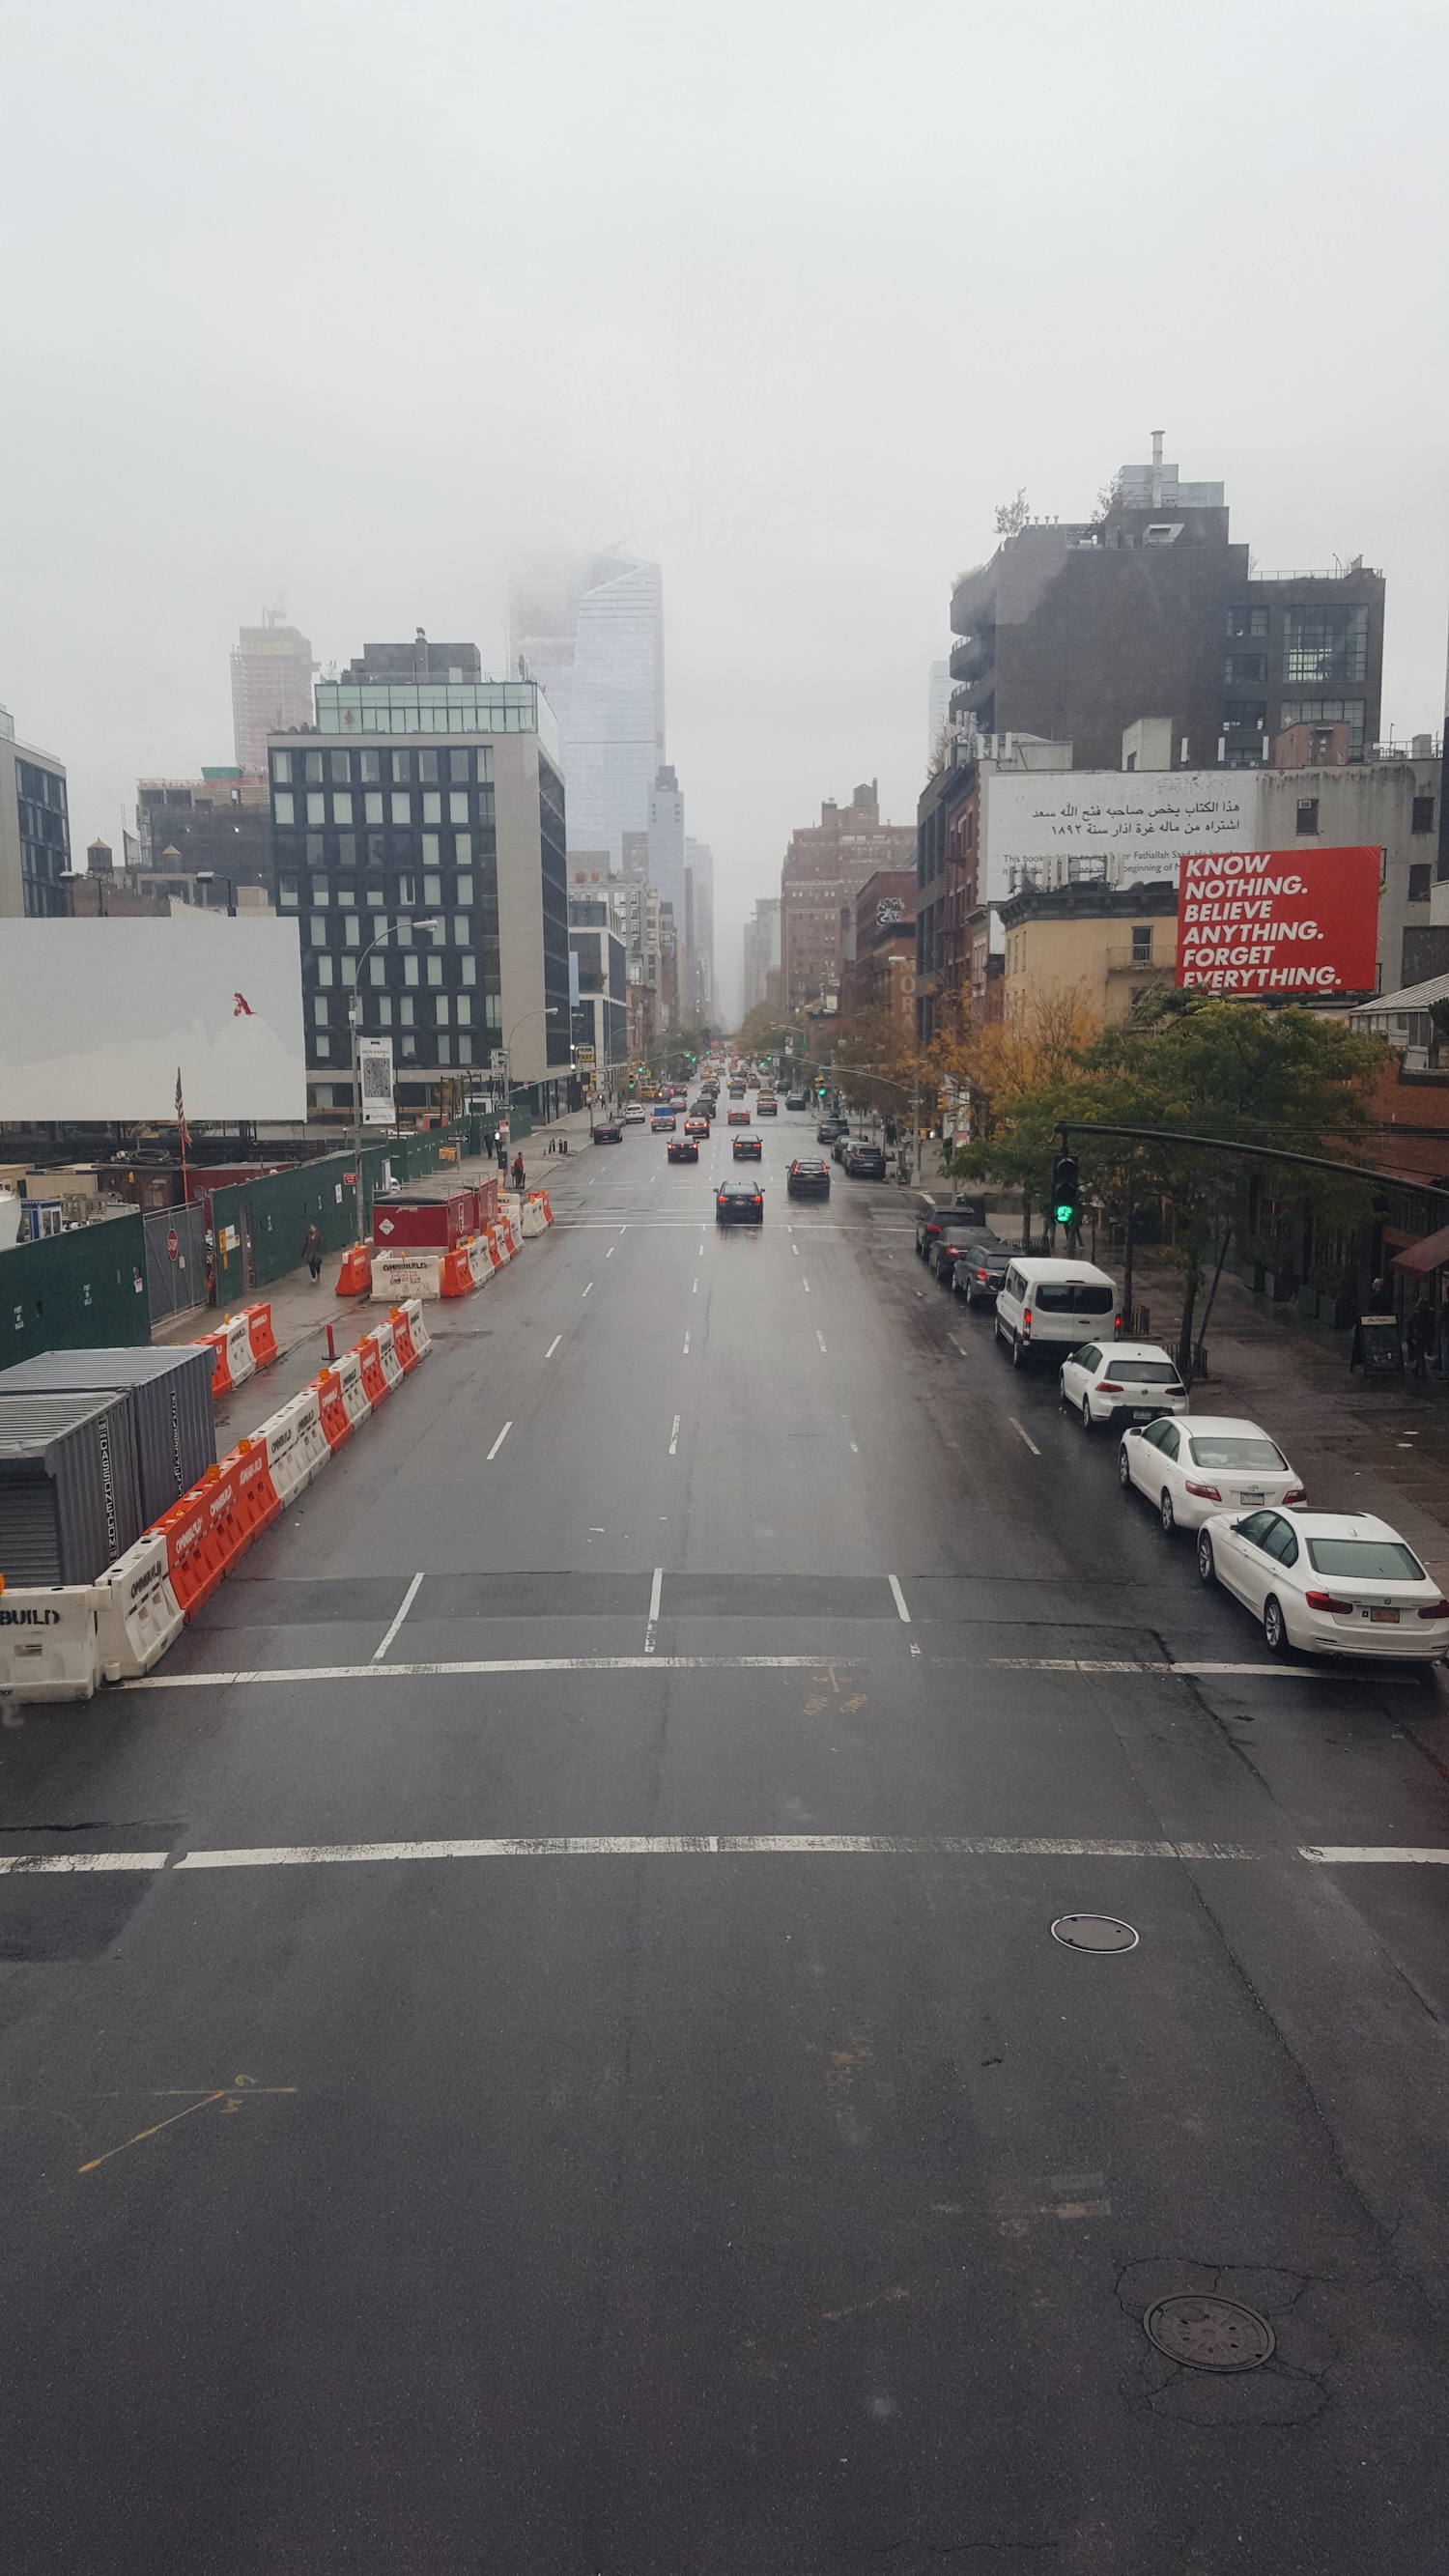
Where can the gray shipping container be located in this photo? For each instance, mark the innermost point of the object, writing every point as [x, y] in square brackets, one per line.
[170, 1391]
[70, 1497]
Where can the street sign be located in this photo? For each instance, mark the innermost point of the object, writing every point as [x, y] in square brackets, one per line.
[173, 1245]
[498, 1060]
[584, 1055]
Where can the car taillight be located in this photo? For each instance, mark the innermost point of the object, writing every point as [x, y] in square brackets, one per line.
[1436, 1610]
[1204, 1493]
[1116, 1328]
[1026, 1324]
[1298, 1495]
[1326, 1601]
[1109, 1386]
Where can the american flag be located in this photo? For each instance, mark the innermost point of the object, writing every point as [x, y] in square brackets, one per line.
[181, 1114]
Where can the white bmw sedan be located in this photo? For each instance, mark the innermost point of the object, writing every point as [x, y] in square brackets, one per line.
[1121, 1382]
[1192, 1469]
[1336, 1583]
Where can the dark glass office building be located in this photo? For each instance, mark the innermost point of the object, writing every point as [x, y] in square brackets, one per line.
[418, 836]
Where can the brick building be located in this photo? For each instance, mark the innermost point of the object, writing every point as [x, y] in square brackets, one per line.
[879, 968]
[825, 867]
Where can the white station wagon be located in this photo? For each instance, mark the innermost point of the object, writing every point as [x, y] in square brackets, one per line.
[1213, 1463]
[1336, 1583]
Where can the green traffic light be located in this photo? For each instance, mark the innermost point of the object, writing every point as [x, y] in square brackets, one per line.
[1065, 1215]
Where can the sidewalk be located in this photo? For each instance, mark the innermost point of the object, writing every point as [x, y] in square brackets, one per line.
[302, 1308]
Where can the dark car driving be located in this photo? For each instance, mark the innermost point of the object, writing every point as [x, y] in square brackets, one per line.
[808, 1178]
[951, 1242]
[681, 1149]
[862, 1161]
[608, 1131]
[827, 1131]
[749, 1149]
[739, 1203]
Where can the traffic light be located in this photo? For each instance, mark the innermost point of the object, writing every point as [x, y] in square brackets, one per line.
[1066, 1192]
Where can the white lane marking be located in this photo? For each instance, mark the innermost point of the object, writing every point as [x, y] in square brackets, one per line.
[498, 1443]
[1081, 1664]
[553, 1346]
[955, 1345]
[820, 1337]
[805, 1284]
[588, 1292]
[694, 1292]
[655, 1590]
[497, 1664]
[409, 1597]
[623, 1229]
[686, 1345]
[674, 1439]
[692, 1846]
[1026, 1435]
[899, 1598]
[609, 1255]
[53, 1864]
[795, 1248]
[1352, 1855]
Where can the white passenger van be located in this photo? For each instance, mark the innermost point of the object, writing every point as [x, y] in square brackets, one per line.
[1057, 1302]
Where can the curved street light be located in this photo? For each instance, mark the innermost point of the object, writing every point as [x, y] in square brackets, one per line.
[435, 924]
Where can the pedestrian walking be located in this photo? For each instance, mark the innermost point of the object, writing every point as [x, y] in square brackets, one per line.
[312, 1252]
[1421, 1335]
[518, 1174]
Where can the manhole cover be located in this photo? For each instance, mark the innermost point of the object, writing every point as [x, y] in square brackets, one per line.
[1093, 1932]
[1209, 2334]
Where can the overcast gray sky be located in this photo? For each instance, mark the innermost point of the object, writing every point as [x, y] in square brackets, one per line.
[357, 307]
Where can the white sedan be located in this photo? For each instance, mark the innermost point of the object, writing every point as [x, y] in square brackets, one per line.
[1191, 1470]
[1337, 1583]
[1121, 1382]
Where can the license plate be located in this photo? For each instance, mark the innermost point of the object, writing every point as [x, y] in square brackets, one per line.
[1251, 1494]
[1384, 1618]
[1142, 1413]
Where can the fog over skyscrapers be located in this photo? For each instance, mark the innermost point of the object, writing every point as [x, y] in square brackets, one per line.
[592, 633]
[271, 687]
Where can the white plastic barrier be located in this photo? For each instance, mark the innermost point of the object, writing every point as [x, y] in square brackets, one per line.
[296, 1445]
[479, 1264]
[138, 1614]
[399, 1275]
[348, 1371]
[392, 1367]
[241, 1359]
[49, 1646]
[418, 1333]
[534, 1220]
[510, 1209]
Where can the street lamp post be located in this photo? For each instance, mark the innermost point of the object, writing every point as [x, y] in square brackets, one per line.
[549, 1012]
[386, 932]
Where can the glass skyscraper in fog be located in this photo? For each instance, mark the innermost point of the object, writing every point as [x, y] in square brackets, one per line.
[592, 635]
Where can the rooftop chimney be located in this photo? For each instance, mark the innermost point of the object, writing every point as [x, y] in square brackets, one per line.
[1157, 469]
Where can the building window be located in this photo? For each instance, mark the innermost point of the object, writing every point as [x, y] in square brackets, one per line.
[445, 1051]
[1423, 817]
[320, 1008]
[319, 931]
[282, 768]
[341, 809]
[340, 768]
[440, 1010]
[409, 1048]
[432, 889]
[282, 807]
[402, 807]
[470, 970]
[460, 930]
[346, 896]
[1325, 644]
[428, 768]
[316, 850]
[402, 768]
[410, 970]
[319, 891]
[465, 1011]
[349, 966]
[435, 970]
[378, 966]
[370, 770]
[375, 897]
[432, 806]
[312, 761]
[352, 931]
[347, 849]
[465, 1050]
[384, 1012]
[493, 1010]
[1247, 621]
[1306, 823]
[405, 890]
[1420, 877]
[372, 807]
[405, 1010]
[321, 1045]
[463, 851]
[324, 971]
[287, 894]
[1142, 943]
[1245, 670]
[316, 809]
[464, 894]
[1327, 711]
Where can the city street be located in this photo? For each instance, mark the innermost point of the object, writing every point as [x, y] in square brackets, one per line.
[564, 2068]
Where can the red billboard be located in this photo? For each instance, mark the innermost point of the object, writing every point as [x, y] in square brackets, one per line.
[1278, 921]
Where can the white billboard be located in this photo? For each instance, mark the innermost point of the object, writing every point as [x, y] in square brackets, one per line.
[374, 1067]
[1054, 827]
[98, 1017]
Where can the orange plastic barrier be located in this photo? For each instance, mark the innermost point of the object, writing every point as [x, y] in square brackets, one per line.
[221, 1374]
[202, 1539]
[402, 1340]
[260, 1334]
[454, 1274]
[494, 1255]
[335, 1426]
[258, 1503]
[374, 1385]
[354, 1279]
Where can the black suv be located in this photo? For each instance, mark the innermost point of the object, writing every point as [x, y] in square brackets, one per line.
[808, 1179]
[979, 1269]
[931, 1215]
[862, 1161]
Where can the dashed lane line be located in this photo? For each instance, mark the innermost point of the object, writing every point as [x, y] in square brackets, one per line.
[820, 1337]
[655, 1590]
[897, 1595]
[409, 1597]
[553, 1346]
[1025, 1435]
[674, 1439]
[493, 1452]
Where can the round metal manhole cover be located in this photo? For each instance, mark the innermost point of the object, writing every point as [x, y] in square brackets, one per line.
[1093, 1932]
[1209, 2334]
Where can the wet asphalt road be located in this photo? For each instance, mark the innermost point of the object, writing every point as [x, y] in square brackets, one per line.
[726, 2206]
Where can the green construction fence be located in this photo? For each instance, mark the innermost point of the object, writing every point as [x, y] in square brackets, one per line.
[260, 1226]
[75, 1292]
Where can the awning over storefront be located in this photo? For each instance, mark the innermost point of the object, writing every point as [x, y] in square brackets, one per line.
[1429, 1254]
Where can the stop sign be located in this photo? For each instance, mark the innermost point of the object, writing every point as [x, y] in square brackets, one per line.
[172, 1243]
